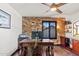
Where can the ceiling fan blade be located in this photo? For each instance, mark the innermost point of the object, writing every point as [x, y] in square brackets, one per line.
[53, 5]
[61, 4]
[45, 4]
[59, 11]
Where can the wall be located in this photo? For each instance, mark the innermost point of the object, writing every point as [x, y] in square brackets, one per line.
[27, 27]
[9, 37]
[67, 17]
[73, 18]
[75, 40]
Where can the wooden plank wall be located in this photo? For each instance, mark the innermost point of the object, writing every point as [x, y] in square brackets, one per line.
[28, 27]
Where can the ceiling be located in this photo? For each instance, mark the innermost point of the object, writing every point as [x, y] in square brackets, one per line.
[38, 9]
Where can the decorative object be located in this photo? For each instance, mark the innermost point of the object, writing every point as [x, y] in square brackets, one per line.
[68, 22]
[68, 28]
[76, 28]
[5, 19]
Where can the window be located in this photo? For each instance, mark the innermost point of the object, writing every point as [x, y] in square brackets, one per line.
[49, 29]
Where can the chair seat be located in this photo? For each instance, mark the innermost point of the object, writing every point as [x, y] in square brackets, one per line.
[37, 51]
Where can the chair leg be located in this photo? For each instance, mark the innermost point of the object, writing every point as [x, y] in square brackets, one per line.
[23, 51]
[37, 51]
[49, 51]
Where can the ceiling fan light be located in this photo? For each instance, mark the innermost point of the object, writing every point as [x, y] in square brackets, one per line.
[53, 9]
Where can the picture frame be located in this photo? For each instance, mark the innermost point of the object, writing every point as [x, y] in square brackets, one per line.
[5, 20]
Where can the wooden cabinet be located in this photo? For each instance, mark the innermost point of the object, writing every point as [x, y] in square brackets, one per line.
[62, 41]
[76, 46]
[65, 42]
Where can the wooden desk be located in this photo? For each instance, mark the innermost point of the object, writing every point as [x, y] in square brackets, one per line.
[26, 43]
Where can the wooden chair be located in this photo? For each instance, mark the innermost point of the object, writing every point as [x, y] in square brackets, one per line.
[37, 51]
[49, 51]
[23, 51]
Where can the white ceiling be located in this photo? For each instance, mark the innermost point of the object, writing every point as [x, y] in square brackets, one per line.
[38, 9]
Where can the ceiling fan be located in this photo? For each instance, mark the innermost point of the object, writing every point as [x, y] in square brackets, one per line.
[54, 7]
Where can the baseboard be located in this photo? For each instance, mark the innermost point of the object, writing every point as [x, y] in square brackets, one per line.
[14, 52]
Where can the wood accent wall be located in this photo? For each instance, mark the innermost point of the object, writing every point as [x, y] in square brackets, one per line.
[28, 27]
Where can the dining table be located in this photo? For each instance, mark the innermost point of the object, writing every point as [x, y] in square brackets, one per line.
[35, 48]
